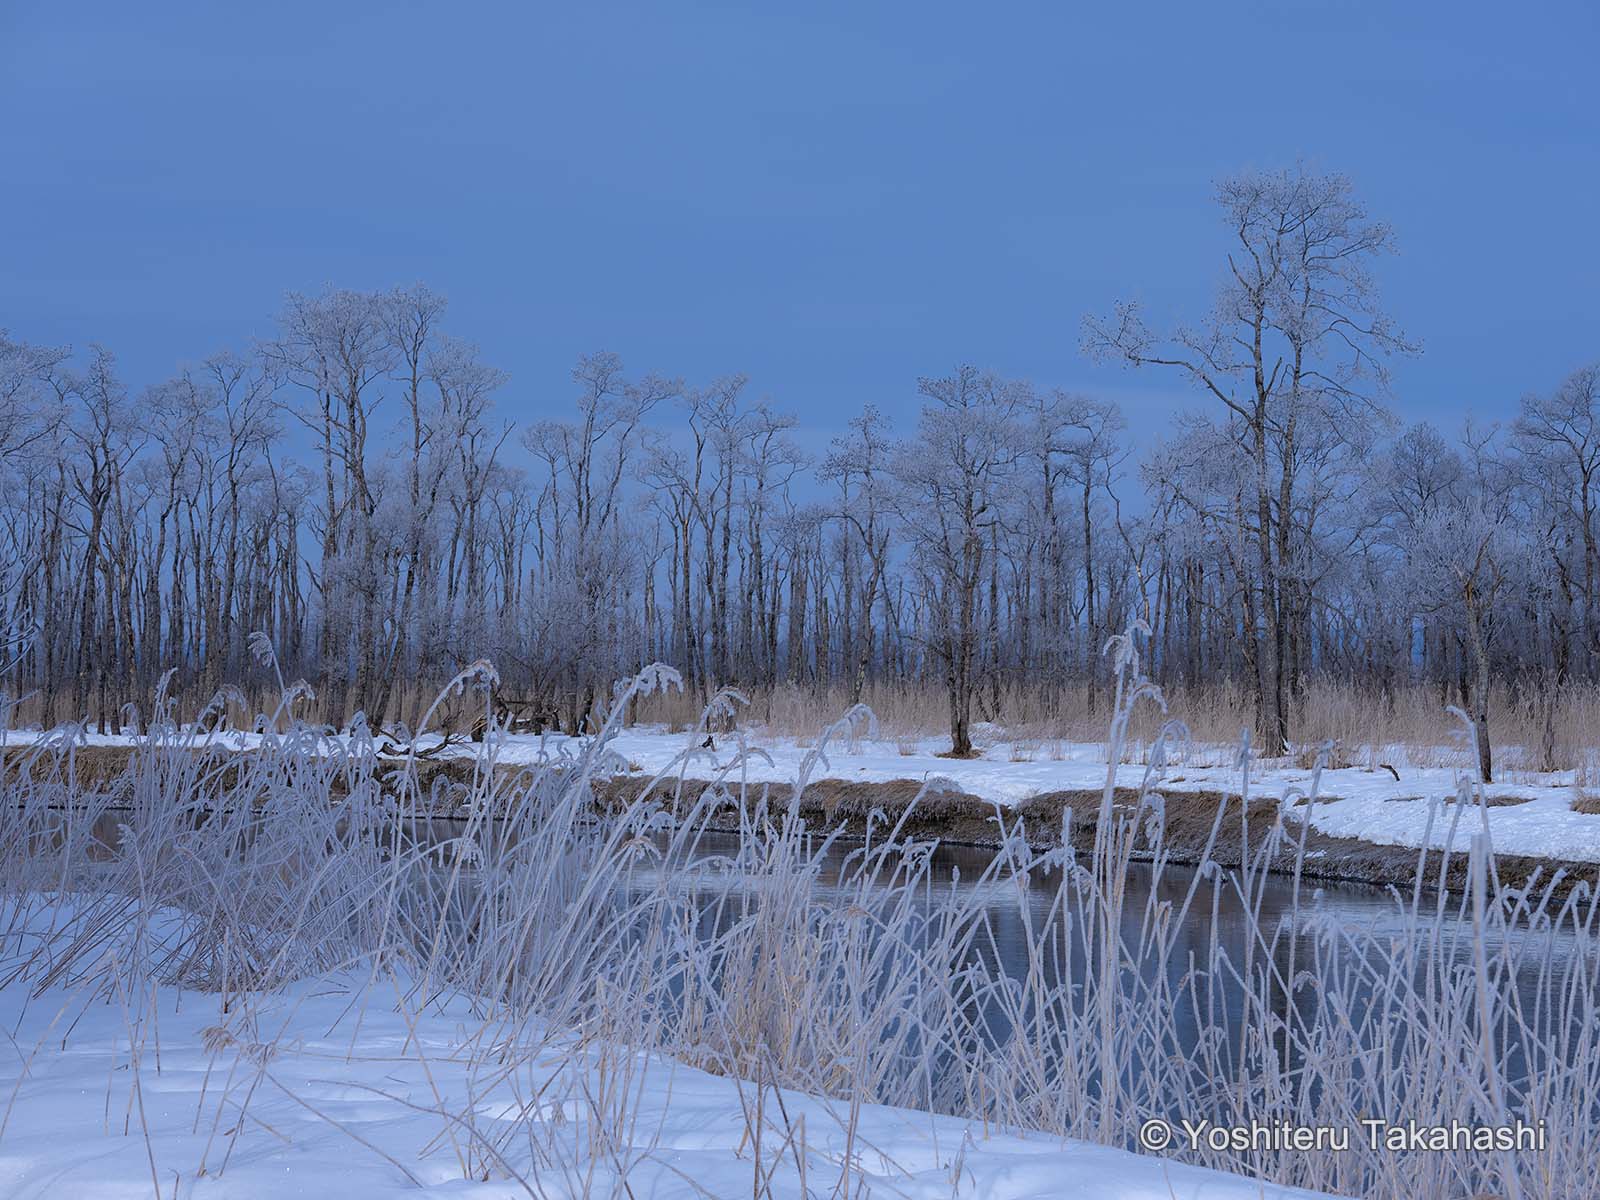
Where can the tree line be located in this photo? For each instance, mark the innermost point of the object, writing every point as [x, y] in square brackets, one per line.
[349, 489]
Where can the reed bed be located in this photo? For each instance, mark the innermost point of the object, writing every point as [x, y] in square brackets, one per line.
[782, 955]
[1536, 725]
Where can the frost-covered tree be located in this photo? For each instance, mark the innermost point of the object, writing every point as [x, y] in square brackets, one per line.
[349, 490]
[586, 556]
[953, 477]
[858, 465]
[335, 353]
[1295, 333]
[1559, 437]
[1466, 549]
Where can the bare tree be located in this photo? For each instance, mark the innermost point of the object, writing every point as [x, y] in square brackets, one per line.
[1466, 550]
[859, 464]
[1559, 435]
[103, 442]
[1296, 326]
[336, 349]
[1089, 433]
[30, 403]
[987, 555]
[587, 465]
[951, 477]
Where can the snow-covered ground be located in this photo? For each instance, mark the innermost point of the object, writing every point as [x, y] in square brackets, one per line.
[332, 1089]
[1356, 802]
[343, 1086]
[1534, 816]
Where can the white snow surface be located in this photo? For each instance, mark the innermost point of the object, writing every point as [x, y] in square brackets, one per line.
[333, 1090]
[1354, 802]
[1533, 816]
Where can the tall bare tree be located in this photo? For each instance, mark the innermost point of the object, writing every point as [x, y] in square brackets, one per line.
[1295, 328]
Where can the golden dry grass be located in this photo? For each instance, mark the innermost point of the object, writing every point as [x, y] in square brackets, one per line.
[1409, 728]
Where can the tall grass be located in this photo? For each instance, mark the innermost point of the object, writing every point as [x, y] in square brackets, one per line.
[1406, 726]
[1536, 725]
[789, 957]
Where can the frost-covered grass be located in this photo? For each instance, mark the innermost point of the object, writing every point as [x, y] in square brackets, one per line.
[522, 989]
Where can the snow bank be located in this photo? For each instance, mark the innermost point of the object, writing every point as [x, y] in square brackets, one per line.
[1530, 819]
[332, 1089]
[1536, 819]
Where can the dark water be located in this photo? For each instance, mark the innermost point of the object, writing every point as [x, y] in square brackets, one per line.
[1218, 923]
[1326, 932]
[1284, 930]
[1279, 923]
[1218, 916]
[1287, 928]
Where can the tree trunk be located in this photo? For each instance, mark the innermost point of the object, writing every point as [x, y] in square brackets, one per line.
[1480, 698]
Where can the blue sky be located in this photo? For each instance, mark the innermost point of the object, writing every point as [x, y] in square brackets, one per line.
[834, 199]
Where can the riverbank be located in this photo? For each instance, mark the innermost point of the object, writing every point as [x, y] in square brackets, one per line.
[1191, 831]
[240, 957]
[1385, 805]
[1372, 824]
[1366, 824]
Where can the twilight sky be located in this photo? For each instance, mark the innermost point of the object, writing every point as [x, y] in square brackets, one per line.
[833, 198]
